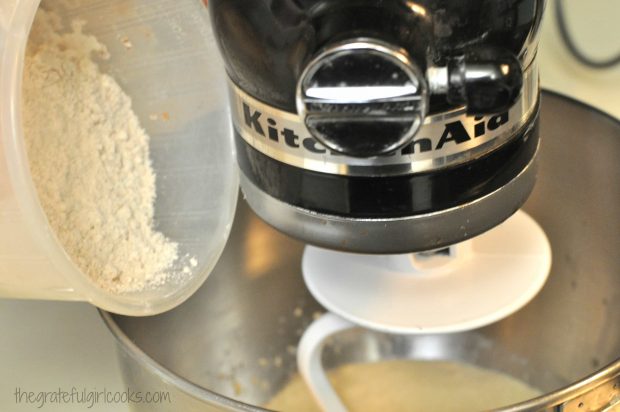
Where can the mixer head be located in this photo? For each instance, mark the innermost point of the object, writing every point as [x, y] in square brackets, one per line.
[382, 127]
[389, 128]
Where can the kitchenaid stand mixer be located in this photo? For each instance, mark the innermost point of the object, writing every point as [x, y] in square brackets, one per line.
[395, 136]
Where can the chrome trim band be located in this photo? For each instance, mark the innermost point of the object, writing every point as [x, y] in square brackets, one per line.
[445, 139]
[397, 235]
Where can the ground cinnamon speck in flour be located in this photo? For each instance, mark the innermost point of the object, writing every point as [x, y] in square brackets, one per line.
[90, 162]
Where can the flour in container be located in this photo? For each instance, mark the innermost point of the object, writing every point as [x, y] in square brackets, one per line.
[89, 159]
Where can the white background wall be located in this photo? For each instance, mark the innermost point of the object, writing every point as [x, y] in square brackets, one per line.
[595, 26]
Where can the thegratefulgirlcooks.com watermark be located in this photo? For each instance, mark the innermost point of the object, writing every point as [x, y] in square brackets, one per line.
[88, 397]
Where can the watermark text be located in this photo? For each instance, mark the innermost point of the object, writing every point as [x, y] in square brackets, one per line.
[88, 397]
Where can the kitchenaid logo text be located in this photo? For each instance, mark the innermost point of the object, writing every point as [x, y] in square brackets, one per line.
[444, 139]
[450, 134]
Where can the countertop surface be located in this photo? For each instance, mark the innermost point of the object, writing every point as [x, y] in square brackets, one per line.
[51, 346]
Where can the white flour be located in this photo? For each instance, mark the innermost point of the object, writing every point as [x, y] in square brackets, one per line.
[89, 159]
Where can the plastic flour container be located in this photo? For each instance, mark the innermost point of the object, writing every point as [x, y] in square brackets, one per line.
[172, 68]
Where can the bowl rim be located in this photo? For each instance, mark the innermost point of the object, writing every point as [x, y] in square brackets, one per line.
[543, 402]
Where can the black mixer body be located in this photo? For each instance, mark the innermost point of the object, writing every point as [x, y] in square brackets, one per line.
[388, 126]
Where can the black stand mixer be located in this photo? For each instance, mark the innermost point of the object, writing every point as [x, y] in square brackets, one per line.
[383, 127]
[389, 128]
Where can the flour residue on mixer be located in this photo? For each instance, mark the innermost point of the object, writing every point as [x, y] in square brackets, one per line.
[404, 385]
[90, 162]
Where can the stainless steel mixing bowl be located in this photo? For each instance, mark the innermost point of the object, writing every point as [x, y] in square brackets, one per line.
[233, 343]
